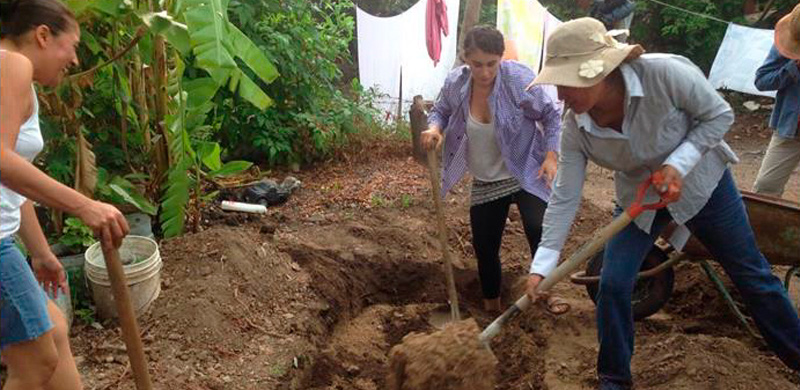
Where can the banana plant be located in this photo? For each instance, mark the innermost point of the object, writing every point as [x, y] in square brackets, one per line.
[176, 31]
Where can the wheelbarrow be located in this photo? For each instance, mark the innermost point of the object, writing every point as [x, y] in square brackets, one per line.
[776, 224]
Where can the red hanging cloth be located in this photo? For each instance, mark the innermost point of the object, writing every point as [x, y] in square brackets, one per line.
[435, 26]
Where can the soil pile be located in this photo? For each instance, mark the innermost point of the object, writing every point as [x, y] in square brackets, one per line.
[450, 359]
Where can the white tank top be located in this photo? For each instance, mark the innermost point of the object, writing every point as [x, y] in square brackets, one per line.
[484, 159]
[29, 144]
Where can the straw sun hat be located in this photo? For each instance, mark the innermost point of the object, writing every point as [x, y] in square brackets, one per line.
[787, 34]
[581, 53]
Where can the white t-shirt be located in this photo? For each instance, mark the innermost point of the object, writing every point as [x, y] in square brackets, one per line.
[29, 144]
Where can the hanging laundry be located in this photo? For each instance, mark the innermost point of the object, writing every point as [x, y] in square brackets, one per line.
[525, 25]
[387, 45]
[435, 26]
[741, 53]
[522, 23]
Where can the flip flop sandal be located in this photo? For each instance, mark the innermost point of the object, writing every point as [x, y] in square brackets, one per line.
[557, 306]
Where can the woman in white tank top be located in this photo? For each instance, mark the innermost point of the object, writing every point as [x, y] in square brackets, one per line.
[37, 43]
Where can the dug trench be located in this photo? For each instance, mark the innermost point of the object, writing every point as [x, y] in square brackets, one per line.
[318, 305]
[314, 295]
[379, 294]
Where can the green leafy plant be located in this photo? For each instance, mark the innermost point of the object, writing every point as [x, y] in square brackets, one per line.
[378, 200]
[76, 236]
[86, 315]
[406, 201]
[313, 115]
[155, 68]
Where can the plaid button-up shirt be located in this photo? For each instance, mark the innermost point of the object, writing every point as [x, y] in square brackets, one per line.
[527, 125]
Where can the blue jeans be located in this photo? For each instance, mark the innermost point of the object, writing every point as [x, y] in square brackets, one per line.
[723, 228]
[23, 303]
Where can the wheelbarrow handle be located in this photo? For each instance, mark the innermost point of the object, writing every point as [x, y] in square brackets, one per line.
[577, 259]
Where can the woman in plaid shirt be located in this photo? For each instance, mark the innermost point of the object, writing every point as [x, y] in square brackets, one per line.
[506, 137]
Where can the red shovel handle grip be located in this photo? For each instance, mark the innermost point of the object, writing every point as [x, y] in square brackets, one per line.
[637, 207]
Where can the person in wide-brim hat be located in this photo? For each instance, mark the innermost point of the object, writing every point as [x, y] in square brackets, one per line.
[650, 117]
[787, 34]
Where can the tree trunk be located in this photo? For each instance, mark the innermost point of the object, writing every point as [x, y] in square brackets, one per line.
[419, 123]
[472, 13]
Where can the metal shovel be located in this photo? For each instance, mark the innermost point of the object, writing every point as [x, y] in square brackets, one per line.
[448, 262]
[576, 260]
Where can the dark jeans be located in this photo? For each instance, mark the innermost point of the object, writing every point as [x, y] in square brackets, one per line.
[488, 221]
[723, 228]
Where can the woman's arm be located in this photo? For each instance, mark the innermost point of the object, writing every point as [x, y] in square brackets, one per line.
[46, 266]
[712, 116]
[538, 105]
[564, 201]
[777, 72]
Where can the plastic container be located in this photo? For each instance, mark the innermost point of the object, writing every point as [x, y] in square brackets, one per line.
[64, 303]
[141, 224]
[142, 266]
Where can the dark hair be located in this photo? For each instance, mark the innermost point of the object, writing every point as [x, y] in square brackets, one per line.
[486, 38]
[17, 17]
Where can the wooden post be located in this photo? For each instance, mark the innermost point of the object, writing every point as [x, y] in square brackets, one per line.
[472, 13]
[399, 117]
[419, 123]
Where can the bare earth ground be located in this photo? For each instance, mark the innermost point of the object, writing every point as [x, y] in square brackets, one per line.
[313, 295]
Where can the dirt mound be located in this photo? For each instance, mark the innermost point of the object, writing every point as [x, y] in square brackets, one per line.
[700, 307]
[450, 359]
[683, 362]
[232, 281]
[315, 294]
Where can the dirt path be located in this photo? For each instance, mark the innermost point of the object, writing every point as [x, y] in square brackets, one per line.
[313, 295]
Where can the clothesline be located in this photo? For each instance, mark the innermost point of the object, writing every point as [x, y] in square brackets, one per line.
[714, 18]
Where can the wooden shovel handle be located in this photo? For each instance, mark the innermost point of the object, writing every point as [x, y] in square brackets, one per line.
[448, 263]
[127, 318]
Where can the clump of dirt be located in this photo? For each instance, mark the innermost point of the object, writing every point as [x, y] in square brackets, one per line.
[450, 359]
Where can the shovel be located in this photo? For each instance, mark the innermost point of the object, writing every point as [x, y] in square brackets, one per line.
[576, 260]
[448, 263]
[127, 318]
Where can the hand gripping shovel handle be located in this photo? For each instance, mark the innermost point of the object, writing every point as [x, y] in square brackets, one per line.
[577, 259]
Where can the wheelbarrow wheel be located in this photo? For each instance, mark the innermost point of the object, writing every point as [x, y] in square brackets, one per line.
[650, 294]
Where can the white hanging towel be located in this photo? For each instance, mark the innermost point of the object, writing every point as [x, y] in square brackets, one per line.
[742, 52]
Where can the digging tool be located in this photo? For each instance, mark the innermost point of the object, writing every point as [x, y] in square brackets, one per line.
[433, 165]
[127, 318]
[576, 260]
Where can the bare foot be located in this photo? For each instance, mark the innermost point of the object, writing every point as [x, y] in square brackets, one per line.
[492, 305]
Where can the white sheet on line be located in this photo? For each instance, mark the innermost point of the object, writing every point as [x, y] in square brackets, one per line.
[387, 45]
[742, 52]
[526, 25]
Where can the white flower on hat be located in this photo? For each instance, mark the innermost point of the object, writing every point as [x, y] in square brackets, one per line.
[599, 37]
[591, 68]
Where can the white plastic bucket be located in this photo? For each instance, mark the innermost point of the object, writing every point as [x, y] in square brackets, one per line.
[142, 266]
